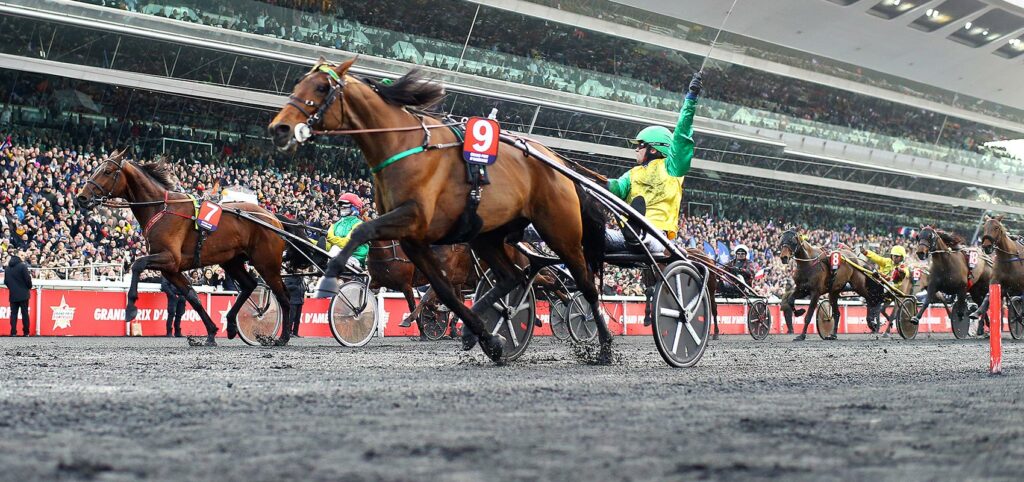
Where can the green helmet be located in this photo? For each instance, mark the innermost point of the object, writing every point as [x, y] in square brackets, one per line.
[658, 137]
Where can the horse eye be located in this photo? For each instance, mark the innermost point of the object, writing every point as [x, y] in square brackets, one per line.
[321, 89]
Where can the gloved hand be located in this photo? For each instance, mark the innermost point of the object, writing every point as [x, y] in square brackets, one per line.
[354, 265]
[696, 86]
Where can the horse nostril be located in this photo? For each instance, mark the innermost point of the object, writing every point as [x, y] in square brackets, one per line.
[281, 130]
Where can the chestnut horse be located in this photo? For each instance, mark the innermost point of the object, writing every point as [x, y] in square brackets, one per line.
[950, 273]
[172, 236]
[420, 179]
[813, 277]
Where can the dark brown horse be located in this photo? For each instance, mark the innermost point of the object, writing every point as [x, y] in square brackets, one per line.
[814, 277]
[171, 235]
[390, 268]
[1008, 269]
[420, 177]
[950, 273]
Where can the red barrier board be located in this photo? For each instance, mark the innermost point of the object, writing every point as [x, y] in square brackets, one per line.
[101, 313]
[5, 313]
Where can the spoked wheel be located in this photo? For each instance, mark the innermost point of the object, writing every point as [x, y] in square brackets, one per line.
[259, 318]
[353, 314]
[582, 326]
[824, 320]
[961, 323]
[759, 321]
[681, 315]
[1015, 317]
[559, 317]
[512, 316]
[903, 316]
[434, 321]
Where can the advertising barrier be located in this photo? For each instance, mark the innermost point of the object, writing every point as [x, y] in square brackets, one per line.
[81, 311]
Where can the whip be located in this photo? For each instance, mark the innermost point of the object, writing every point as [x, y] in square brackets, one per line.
[715, 41]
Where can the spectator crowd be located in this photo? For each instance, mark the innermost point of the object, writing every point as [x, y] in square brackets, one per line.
[514, 47]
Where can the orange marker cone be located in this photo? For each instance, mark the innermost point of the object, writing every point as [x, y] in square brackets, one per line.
[995, 324]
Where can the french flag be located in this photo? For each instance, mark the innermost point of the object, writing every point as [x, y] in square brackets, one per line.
[6, 144]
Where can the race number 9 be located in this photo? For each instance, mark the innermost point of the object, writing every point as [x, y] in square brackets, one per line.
[481, 144]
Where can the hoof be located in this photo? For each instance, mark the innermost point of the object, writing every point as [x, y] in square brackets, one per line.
[799, 312]
[210, 341]
[494, 348]
[831, 337]
[406, 322]
[885, 335]
[468, 340]
[281, 341]
[800, 338]
[130, 313]
[915, 320]
[232, 330]
[714, 337]
[606, 356]
[537, 323]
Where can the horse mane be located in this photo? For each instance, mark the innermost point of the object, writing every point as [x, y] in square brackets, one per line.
[413, 89]
[159, 172]
[951, 240]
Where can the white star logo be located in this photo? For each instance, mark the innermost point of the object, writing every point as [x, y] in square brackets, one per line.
[62, 315]
[224, 314]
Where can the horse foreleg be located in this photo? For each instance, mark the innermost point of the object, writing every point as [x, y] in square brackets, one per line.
[833, 303]
[932, 289]
[158, 261]
[179, 280]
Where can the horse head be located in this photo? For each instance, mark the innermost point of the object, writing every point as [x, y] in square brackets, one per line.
[790, 244]
[104, 183]
[317, 93]
[926, 241]
[992, 233]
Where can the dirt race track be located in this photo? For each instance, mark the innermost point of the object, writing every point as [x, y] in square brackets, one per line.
[859, 408]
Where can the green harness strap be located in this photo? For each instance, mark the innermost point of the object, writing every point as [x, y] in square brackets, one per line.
[415, 150]
[397, 157]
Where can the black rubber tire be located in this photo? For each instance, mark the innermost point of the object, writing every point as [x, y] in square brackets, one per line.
[961, 325]
[903, 314]
[353, 314]
[824, 320]
[557, 318]
[1015, 317]
[759, 320]
[581, 324]
[434, 322]
[668, 327]
[259, 318]
[519, 332]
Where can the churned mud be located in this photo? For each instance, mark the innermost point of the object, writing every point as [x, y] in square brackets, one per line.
[857, 408]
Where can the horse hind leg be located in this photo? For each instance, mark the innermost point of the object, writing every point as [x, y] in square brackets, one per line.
[490, 247]
[811, 308]
[566, 244]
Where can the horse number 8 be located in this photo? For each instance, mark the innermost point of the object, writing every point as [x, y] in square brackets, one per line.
[483, 132]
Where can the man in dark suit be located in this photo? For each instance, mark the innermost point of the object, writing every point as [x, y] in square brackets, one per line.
[19, 282]
[175, 306]
[296, 296]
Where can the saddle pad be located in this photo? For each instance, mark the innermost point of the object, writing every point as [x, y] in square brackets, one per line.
[481, 143]
[835, 259]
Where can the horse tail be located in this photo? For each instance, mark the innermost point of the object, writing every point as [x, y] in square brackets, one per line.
[594, 221]
[296, 254]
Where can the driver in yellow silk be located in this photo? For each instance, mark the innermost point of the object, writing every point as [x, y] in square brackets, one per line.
[663, 158]
[893, 269]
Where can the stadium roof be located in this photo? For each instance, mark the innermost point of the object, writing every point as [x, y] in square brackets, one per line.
[975, 47]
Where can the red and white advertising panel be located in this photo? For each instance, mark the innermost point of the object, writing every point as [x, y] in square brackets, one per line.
[78, 312]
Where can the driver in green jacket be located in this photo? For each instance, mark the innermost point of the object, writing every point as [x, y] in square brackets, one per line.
[339, 232]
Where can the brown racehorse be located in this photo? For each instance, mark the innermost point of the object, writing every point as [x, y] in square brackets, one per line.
[420, 179]
[813, 277]
[950, 273]
[1008, 269]
[171, 235]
